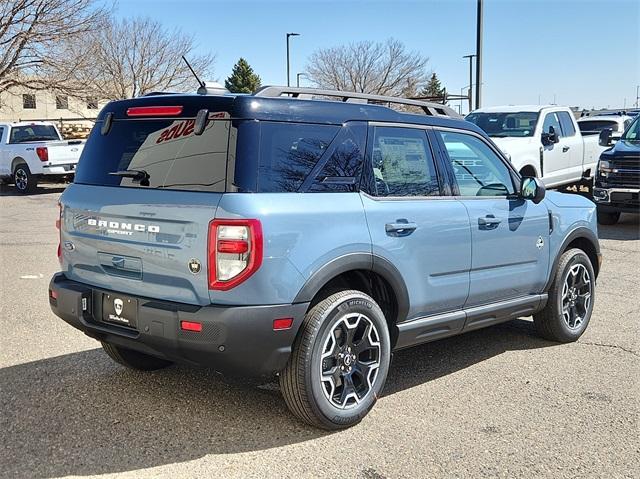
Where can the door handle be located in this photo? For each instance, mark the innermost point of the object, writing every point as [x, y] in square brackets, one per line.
[400, 228]
[565, 149]
[489, 222]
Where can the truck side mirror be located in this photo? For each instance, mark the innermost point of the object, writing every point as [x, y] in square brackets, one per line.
[532, 189]
[605, 137]
[551, 137]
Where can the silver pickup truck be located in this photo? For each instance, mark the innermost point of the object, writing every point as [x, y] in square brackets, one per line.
[34, 151]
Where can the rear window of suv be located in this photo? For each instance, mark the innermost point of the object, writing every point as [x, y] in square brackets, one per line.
[231, 155]
[165, 149]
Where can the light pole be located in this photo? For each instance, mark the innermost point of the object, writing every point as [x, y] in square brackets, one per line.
[470, 57]
[298, 75]
[289, 35]
[479, 56]
[462, 94]
[637, 96]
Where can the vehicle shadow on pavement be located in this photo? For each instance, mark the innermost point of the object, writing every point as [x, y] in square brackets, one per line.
[82, 414]
[9, 190]
[424, 363]
[627, 228]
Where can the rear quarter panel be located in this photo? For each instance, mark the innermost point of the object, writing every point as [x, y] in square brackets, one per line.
[26, 152]
[570, 212]
[302, 232]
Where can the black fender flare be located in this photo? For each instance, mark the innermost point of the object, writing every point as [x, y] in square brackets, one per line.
[579, 232]
[352, 262]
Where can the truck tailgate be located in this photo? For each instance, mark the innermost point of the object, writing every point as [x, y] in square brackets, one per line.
[64, 152]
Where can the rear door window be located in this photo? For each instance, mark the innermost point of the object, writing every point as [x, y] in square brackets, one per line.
[288, 153]
[165, 149]
[402, 163]
[342, 170]
[567, 124]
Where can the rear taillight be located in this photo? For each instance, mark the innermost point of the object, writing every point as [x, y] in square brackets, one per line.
[58, 227]
[235, 252]
[42, 153]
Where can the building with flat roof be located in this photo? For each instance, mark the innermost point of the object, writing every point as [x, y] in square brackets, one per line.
[73, 116]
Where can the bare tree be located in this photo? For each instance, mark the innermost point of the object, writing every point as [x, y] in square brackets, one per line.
[32, 33]
[129, 58]
[369, 67]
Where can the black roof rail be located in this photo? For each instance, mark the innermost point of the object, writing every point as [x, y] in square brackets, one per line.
[429, 108]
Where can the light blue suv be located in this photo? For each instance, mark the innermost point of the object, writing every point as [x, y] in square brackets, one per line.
[286, 234]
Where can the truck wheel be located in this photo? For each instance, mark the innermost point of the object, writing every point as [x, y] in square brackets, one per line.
[134, 359]
[571, 297]
[25, 182]
[608, 218]
[339, 361]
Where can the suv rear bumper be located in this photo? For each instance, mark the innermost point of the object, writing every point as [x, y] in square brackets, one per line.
[235, 340]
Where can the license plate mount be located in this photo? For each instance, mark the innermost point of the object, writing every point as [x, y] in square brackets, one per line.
[119, 309]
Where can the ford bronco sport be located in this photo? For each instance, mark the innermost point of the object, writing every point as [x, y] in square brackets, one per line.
[273, 234]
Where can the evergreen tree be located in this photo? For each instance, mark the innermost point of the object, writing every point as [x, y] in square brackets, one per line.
[433, 88]
[242, 79]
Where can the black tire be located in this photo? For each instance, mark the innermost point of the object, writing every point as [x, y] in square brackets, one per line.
[554, 322]
[307, 396]
[25, 182]
[134, 359]
[608, 218]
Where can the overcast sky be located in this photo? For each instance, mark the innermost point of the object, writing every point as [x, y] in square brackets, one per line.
[583, 53]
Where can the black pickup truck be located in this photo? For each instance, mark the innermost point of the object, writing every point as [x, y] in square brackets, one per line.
[617, 181]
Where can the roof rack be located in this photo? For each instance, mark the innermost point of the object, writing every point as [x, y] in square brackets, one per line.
[429, 108]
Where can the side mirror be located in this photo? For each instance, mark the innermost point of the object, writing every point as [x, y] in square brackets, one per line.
[605, 137]
[550, 137]
[532, 189]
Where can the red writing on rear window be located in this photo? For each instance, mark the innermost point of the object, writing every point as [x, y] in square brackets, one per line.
[184, 128]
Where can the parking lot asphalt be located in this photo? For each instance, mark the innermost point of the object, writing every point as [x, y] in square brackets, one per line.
[498, 402]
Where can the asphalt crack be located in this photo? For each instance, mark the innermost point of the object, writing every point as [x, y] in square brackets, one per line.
[614, 346]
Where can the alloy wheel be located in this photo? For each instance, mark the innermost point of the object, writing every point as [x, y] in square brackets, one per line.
[21, 179]
[576, 296]
[350, 360]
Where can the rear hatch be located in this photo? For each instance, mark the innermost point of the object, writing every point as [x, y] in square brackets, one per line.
[143, 231]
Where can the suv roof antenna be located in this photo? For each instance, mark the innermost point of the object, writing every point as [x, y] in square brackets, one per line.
[200, 82]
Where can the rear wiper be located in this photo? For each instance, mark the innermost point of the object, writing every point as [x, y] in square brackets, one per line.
[136, 175]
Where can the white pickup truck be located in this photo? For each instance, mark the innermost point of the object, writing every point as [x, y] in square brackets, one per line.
[35, 151]
[542, 141]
